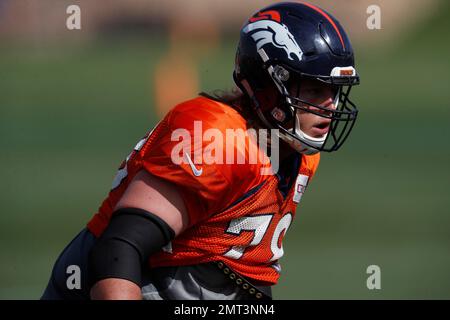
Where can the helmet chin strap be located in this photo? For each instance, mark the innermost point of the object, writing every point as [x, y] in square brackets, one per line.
[309, 140]
[295, 144]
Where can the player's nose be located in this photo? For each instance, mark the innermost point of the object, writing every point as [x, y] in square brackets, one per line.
[329, 104]
[325, 108]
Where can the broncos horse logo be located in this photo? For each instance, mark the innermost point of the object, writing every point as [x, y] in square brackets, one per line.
[275, 33]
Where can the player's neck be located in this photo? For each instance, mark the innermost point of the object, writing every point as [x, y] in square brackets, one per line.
[285, 150]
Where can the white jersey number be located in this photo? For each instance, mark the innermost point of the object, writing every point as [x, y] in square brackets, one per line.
[259, 225]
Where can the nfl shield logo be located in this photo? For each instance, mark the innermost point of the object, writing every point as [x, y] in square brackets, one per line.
[300, 186]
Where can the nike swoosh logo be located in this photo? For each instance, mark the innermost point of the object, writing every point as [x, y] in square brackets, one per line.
[196, 171]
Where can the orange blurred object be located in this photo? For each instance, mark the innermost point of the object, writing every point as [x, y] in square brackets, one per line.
[176, 76]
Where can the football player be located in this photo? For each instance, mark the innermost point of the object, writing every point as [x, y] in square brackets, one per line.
[175, 226]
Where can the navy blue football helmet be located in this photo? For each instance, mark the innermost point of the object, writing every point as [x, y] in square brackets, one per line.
[282, 45]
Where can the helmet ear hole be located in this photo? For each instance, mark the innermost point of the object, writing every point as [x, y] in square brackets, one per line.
[278, 114]
[281, 114]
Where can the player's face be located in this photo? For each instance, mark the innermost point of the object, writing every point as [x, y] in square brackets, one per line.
[319, 94]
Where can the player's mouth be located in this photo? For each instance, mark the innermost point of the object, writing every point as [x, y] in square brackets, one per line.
[320, 129]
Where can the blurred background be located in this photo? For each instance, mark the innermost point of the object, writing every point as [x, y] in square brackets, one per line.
[74, 102]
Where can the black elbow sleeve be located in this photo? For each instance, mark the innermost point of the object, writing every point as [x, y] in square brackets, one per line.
[126, 244]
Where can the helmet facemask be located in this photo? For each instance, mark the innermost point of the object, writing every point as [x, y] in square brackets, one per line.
[287, 117]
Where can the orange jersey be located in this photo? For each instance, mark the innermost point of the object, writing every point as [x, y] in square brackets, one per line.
[236, 214]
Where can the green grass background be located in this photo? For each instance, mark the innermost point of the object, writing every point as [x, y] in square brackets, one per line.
[70, 113]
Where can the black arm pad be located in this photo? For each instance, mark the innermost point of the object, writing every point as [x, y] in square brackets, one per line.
[126, 244]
